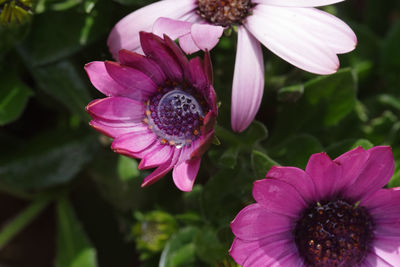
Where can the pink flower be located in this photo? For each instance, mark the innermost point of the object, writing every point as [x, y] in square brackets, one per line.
[293, 29]
[335, 213]
[160, 107]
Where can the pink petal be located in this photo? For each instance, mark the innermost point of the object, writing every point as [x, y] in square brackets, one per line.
[206, 36]
[292, 260]
[296, 177]
[187, 44]
[255, 222]
[376, 173]
[388, 250]
[116, 111]
[133, 142]
[297, 45]
[383, 205]
[125, 34]
[171, 27]
[162, 169]
[372, 260]
[297, 3]
[278, 197]
[159, 155]
[248, 81]
[114, 132]
[325, 173]
[145, 65]
[352, 163]
[197, 75]
[156, 49]
[204, 144]
[103, 82]
[185, 173]
[139, 84]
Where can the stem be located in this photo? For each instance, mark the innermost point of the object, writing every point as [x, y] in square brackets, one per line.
[11, 229]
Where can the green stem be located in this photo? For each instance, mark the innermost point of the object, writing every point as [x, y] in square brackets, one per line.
[11, 229]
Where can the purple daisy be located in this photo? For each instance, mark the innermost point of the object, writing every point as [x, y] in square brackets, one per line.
[292, 29]
[335, 213]
[160, 107]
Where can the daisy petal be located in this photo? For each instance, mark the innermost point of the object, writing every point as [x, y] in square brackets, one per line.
[187, 44]
[297, 3]
[125, 35]
[159, 155]
[372, 260]
[297, 45]
[134, 142]
[388, 250]
[278, 197]
[171, 27]
[206, 36]
[248, 81]
[255, 222]
[113, 131]
[185, 173]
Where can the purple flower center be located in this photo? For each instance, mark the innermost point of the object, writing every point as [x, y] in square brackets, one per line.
[224, 12]
[334, 233]
[175, 115]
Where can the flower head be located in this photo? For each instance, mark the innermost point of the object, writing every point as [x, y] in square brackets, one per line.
[160, 107]
[293, 29]
[335, 213]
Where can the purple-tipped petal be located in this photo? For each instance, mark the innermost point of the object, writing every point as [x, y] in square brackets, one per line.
[134, 142]
[185, 173]
[116, 111]
[248, 81]
[157, 156]
[156, 49]
[140, 85]
[278, 197]
[171, 27]
[352, 163]
[145, 65]
[296, 177]
[297, 45]
[162, 170]
[376, 173]
[297, 3]
[325, 173]
[112, 131]
[206, 36]
[103, 82]
[125, 34]
[255, 222]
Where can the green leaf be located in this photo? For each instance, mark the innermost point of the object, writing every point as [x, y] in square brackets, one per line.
[73, 248]
[14, 95]
[336, 149]
[290, 93]
[208, 247]
[127, 168]
[50, 159]
[391, 56]
[261, 163]
[180, 251]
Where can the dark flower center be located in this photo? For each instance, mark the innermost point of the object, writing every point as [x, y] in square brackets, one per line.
[334, 233]
[175, 115]
[224, 12]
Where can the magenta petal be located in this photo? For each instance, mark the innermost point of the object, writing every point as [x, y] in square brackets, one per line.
[296, 177]
[377, 172]
[117, 111]
[206, 36]
[113, 131]
[278, 197]
[352, 163]
[162, 169]
[255, 222]
[197, 76]
[372, 260]
[145, 65]
[159, 155]
[103, 82]
[133, 142]
[325, 173]
[185, 173]
[139, 84]
[125, 34]
[248, 81]
[383, 205]
[171, 27]
[388, 250]
[156, 49]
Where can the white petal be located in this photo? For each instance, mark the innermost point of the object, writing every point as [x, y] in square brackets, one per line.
[297, 3]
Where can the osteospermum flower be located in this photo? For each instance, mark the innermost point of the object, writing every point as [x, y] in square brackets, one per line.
[160, 107]
[300, 34]
[335, 213]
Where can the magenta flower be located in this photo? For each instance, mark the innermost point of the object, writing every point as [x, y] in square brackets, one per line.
[160, 107]
[335, 213]
[304, 36]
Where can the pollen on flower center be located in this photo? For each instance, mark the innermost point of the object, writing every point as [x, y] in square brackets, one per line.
[334, 233]
[224, 12]
[175, 115]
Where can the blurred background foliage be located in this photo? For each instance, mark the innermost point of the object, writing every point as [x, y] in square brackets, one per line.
[68, 201]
